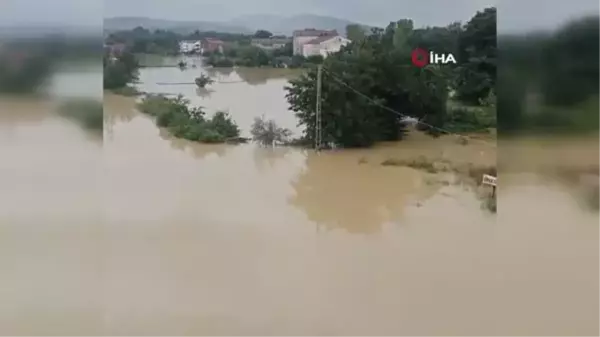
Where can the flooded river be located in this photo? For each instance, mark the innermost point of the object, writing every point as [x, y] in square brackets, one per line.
[51, 214]
[192, 239]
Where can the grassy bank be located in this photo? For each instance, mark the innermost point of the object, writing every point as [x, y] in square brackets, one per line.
[461, 118]
[183, 121]
[127, 91]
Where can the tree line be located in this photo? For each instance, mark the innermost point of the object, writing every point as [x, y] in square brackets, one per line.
[165, 42]
[549, 81]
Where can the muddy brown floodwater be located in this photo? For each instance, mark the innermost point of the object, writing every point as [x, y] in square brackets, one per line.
[199, 239]
[51, 217]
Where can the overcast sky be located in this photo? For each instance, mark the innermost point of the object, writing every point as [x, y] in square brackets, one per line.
[512, 14]
[373, 12]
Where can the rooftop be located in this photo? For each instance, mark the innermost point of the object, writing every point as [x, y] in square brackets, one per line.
[321, 39]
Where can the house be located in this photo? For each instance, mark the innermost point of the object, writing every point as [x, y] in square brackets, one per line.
[300, 37]
[271, 43]
[212, 45]
[190, 46]
[324, 46]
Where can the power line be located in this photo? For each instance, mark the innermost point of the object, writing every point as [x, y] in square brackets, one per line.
[337, 79]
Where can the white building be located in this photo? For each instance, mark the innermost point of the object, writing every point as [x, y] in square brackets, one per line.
[301, 37]
[190, 46]
[324, 46]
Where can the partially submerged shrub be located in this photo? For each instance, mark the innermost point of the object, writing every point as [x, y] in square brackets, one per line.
[203, 80]
[189, 123]
[267, 132]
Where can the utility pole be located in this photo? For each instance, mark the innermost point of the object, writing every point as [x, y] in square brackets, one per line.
[318, 131]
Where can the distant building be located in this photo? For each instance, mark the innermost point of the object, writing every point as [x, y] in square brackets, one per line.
[271, 43]
[190, 46]
[324, 46]
[212, 45]
[300, 37]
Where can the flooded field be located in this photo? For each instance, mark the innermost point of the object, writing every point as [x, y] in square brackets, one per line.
[195, 239]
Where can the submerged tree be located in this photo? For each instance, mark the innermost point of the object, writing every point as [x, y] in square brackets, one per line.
[267, 133]
[203, 80]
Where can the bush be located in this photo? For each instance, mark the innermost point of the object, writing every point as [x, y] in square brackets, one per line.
[315, 59]
[189, 123]
[266, 132]
[203, 80]
[222, 123]
[463, 118]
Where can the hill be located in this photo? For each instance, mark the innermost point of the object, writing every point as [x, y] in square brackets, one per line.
[125, 23]
[286, 25]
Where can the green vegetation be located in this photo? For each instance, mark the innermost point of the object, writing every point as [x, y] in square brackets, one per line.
[120, 71]
[189, 123]
[163, 42]
[378, 66]
[142, 41]
[549, 81]
[21, 73]
[203, 80]
[267, 132]
[128, 91]
[86, 112]
[462, 117]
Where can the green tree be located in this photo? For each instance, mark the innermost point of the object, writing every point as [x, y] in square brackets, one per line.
[549, 80]
[477, 57]
[119, 71]
[262, 34]
[355, 32]
[362, 79]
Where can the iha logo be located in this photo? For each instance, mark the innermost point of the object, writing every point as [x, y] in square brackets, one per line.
[422, 57]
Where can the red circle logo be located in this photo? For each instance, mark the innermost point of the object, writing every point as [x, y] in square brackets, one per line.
[420, 57]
